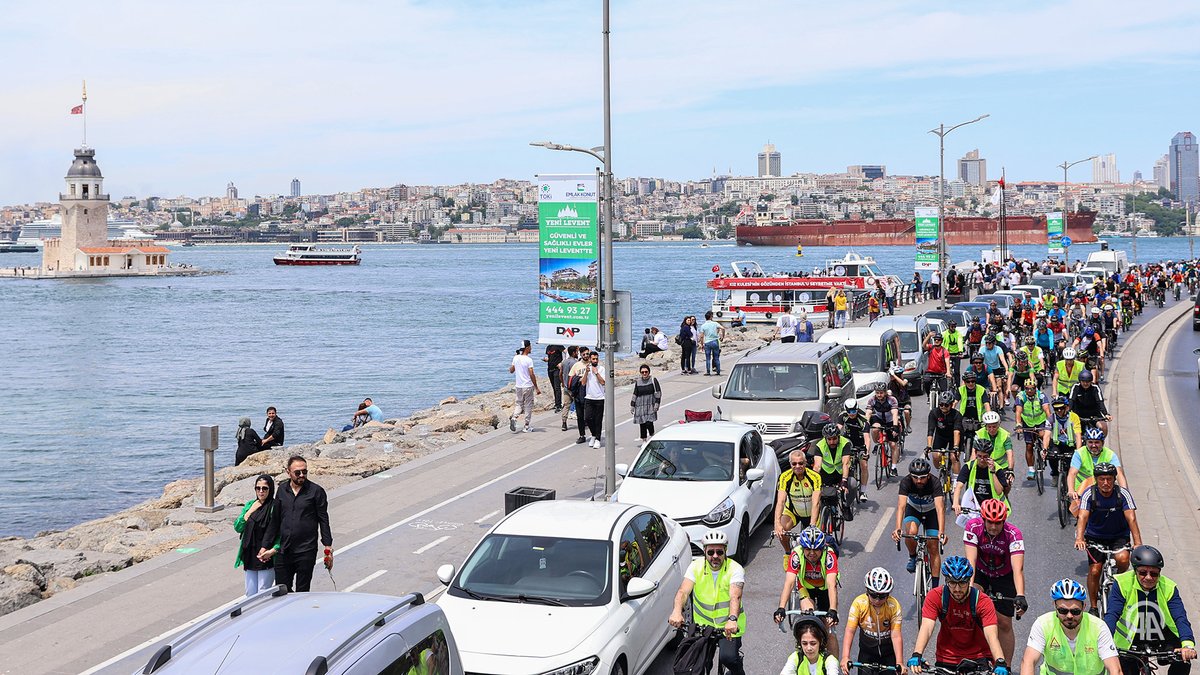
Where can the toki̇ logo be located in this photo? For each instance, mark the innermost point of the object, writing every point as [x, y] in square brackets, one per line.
[566, 330]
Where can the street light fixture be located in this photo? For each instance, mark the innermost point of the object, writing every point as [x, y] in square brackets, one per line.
[608, 325]
[1064, 166]
[941, 132]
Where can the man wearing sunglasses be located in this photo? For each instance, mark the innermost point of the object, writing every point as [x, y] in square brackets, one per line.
[715, 584]
[1145, 611]
[303, 510]
[1070, 639]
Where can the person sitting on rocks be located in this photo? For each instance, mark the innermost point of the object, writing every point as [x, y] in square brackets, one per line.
[248, 441]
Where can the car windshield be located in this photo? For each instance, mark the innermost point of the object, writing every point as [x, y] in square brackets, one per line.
[685, 461]
[909, 342]
[977, 311]
[1046, 282]
[863, 358]
[773, 382]
[537, 570]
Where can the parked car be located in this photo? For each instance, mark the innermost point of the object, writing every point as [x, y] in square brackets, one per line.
[567, 586]
[872, 352]
[706, 476]
[977, 310]
[1196, 313]
[912, 331]
[771, 387]
[334, 633]
[1052, 282]
[960, 317]
[1004, 299]
[1036, 291]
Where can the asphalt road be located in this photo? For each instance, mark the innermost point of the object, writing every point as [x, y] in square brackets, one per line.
[1181, 382]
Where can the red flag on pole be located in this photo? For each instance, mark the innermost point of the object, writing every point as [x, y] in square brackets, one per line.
[1001, 182]
[77, 110]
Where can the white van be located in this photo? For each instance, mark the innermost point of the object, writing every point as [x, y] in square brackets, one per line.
[872, 351]
[1112, 262]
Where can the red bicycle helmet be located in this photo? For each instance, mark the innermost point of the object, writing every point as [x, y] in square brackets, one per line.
[993, 510]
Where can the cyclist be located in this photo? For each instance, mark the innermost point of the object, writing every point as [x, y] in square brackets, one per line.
[1002, 451]
[956, 348]
[1107, 520]
[997, 364]
[995, 318]
[1111, 321]
[794, 498]
[1065, 436]
[968, 620]
[1037, 357]
[937, 366]
[978, 369]
[921, 509]
[876, 615]
[834, 453]
[1066, 372]
[971, 407]
[815, 568]
[1022, 370]
[980, 479]
[899, 387]
[1044, 337]
[1070, 640]
[854, 427]
[1083, 463]
[885, 416]
[1033, 410]
[715, 583]
[1091, 345]
[1088, 402]
[975, 333]
[996, 548]
[1146, 612]
[811, 656]
[945, 430]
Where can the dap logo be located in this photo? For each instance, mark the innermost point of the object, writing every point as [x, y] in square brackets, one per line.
[566, 330]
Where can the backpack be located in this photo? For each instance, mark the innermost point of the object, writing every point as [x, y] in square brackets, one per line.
[694, 654]
[574, 385]
[972, 599]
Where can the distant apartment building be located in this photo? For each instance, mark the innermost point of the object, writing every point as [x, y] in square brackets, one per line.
[231, 192]
[647, 228]
[972, 169]
[867, 171]
[1184, 159]
[396, 231]
[1104, 169]
[770, 162]
[475, 235]
[1162, 172]
[295, 187]
[398, 193]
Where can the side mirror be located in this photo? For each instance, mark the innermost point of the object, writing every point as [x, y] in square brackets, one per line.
[445, 574]
[1196, 351]
[638, 587]
[621, 469]
[717, 389]
[753, 475]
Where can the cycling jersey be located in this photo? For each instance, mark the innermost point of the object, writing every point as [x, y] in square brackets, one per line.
[1106, 515]
[881, 408]
[991, 358]
[854, 428]
[875, 625]
[1044, 338]
[1088, 402]
[942, 426]
[961, 634]
[918, 500]
[812, 576]
[799, 493]
[995, 554]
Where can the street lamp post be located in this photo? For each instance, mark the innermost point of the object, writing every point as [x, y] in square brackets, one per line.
[608, 324]
[941, 132]
[1065, 166]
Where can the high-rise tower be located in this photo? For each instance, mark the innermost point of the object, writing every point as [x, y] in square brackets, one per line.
[769, 161]
[1184, 159]
[295, 187]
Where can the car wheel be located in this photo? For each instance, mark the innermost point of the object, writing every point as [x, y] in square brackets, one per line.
[619, 669]
[743, 549]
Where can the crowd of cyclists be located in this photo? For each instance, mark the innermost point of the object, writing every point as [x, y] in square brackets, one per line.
[1039, 366]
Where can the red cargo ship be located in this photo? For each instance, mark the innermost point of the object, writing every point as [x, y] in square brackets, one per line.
[901, 232]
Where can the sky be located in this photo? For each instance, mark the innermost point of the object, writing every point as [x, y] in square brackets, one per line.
[186, 97]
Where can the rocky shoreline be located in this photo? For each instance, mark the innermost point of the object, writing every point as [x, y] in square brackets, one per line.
[36, 568]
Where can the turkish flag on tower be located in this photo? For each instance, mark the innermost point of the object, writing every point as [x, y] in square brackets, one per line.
[77, 110]
[1001, 182]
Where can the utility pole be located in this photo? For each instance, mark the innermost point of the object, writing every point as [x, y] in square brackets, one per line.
[941, 132]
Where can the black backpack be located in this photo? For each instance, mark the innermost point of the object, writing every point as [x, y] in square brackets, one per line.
[695, 652]
[972, 599]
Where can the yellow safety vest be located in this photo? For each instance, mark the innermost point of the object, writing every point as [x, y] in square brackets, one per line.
[953, 342]
[1127, 623]
[974, 464]
[999, 443]
[1087, 466]
[710, 599]
[1058, 657]
[832, 464]
[1066, 380]
[962, 401]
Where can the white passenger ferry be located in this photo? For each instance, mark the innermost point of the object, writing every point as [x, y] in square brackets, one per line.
[308, 254]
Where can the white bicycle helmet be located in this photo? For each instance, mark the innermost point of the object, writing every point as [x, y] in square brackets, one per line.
[991, 417]
[1068, 353]
[714, 538]
[879, 580]
[851, 405]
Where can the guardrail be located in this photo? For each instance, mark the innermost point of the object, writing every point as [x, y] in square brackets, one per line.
[905, 295]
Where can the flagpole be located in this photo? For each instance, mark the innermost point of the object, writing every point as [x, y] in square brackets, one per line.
[85, 113]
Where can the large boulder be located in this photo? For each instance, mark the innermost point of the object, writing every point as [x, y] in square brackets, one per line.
[74, 564]
[17, 593]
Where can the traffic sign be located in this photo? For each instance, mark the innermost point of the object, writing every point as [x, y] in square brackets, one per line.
[1066, 241]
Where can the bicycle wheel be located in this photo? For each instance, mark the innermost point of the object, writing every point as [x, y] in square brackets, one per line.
[828, 518]
[920, 585]
[1064, 504]
[879, 467]
[947, 475]
[793, 604]
[1039, 468]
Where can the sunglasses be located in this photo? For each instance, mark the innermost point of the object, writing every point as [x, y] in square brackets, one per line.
[1149, 574]
[715, 553]
[877, 596]
[300, 472]
[263, 488]
[1063, 611]
[645, 372]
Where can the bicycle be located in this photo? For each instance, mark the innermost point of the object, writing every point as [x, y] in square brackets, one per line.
[882, 448]
[1126, 319]
[944, 471]
[923, 576]
[935, 384]
[1039, 462]
[996, 597]
[1108, 574]
[1178, 291]
[965, 667]
[830, 513]
[1060, 486]
[1143, 656]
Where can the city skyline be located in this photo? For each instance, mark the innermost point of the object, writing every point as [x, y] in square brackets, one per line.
[183, 100]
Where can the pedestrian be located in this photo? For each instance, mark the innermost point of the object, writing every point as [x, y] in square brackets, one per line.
[935, 285]
[841, 306]
[593, 398]
[564, 372]
[830, 306]
[739, 319]
[711, 333]
[259, 543]
[889, 297]
[575, 378]
[872, 307]
[785, 325]
[647, 396]
[248, 441]
[303, 513]
[916, 282]
[694, 326]
[553, 359]
[526, 386]
[272, 429]
[804, 328]
[686, 340]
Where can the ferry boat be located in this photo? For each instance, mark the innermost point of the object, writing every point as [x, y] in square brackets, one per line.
[762, 295]
[308, 254]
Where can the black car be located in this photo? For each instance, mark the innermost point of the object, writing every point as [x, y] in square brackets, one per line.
[1196, 313]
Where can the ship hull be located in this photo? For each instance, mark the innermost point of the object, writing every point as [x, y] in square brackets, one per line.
[293, 261]
[901, 232]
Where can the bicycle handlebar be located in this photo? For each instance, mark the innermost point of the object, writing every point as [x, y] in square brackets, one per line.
[801, 612]
[1166, 656]
[1110, 551]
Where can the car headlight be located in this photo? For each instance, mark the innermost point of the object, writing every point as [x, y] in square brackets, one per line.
[584, 667]
[722, 514]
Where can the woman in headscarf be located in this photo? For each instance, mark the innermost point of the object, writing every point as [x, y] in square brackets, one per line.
[247, 440]
[260, 537]
[646, 398]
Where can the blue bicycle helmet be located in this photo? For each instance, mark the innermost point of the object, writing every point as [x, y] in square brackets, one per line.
[1093, 434]
[1089, 331]
[1067, 589]
[812, 538]
[957, 568]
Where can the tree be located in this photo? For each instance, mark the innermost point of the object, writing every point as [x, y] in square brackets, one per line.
[725, 231]
[344, 222]
[691, 232]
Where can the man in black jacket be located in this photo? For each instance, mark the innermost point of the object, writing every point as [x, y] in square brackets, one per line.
[272, 430]
[303, 509]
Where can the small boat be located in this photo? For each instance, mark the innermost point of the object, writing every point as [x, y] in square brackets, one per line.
[307, 254]
[703, 245]
[18, 247]
[188, 243]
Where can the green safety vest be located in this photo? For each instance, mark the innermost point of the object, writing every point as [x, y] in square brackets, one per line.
[1000, 446]
[1128, 621]
[1058, 657]
[1048, 302]
[1087, 466]
[710, 600]
[974, 464]
[1032, 412]
[421, 667]
[1035, 356]
[962, 401]
[803, 566]
[1066, 380]
[1060, 428]
[832, 464]
[802, 663]
[953, 342]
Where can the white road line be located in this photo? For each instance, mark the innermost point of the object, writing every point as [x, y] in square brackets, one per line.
[487, 516]
[431, 544]
[879, 527]
[359, 584]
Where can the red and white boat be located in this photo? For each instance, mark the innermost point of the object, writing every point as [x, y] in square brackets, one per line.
[307, 254]
[763, 295]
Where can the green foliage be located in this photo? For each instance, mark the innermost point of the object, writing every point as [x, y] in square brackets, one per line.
[692, 232]
[345, 221]
[725, 231]
[1167, 221]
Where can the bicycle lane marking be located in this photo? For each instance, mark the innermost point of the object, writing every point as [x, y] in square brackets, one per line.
[879, 527]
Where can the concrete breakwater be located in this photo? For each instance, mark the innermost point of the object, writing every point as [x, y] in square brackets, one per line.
[35, 568]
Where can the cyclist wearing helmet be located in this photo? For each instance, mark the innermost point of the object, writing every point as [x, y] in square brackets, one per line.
[899, 386]
[968, 620]
[1088, 402]
[1022, 370]
[937, 367]
[996, 548]
[1065, 436]
[798, 485]
[1036, 357]
[979, 479]
[997, 364]
[1085, 459]
[1107, 521]
[945, 430]
[1091, 345]
[1070, 640]
[1002, 451]
[715, 583]
[815, 568]
[854, 427]
[876, 616]
[978, 369]
[955, 347]
[921, 509]
[1033, 411]
[1145, 611]
[885, 415]
[833, 452]
[1066, 372]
